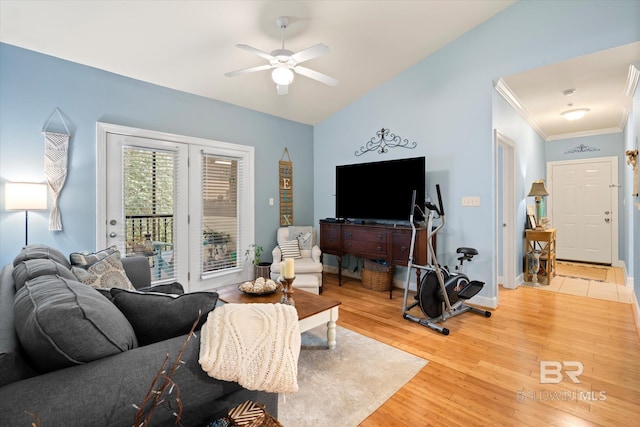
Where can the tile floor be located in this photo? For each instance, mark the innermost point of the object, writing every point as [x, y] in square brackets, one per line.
[612, 289]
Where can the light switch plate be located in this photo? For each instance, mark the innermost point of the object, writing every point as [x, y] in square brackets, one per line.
[471, 201]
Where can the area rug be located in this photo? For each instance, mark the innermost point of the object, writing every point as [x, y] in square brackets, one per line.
[581, 271]
[343, 386]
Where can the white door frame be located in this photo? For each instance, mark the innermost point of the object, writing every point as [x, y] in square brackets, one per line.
[194, 232]
[615, 261]
[508, 223]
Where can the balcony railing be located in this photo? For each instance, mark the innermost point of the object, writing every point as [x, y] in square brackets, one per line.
[158, 227]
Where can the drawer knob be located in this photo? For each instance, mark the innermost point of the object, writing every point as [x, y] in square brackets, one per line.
[350, 245]
[403, 249]
[379, 248]
[379, 236]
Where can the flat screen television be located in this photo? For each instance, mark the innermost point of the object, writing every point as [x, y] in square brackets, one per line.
[380, 190]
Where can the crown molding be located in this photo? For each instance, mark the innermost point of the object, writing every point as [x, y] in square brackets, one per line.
[583, 133]
[503, 89]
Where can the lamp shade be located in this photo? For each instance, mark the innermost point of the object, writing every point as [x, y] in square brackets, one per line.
[282, 75]
[25, 196]
[537, 189]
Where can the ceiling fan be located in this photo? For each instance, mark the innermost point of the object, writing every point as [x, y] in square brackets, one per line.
[284, 63]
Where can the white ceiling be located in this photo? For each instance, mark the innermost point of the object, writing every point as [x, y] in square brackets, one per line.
[189, 45]
[600, 80]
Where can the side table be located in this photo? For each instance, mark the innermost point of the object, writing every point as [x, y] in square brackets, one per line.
[543, 241]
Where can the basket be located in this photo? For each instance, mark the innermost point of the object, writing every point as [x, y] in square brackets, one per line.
[377, 277]
[251, 414]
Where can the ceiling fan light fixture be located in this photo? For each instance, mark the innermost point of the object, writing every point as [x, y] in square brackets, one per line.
[282, 75]
[576, 114]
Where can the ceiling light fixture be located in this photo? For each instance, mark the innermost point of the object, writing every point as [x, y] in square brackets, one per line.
[576, 114]
[282, 75]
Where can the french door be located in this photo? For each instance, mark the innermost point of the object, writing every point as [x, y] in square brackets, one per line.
[184, 203]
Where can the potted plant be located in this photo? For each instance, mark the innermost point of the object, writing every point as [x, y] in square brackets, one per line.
[261, 269]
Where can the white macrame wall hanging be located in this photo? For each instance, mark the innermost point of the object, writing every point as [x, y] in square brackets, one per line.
[56, 146]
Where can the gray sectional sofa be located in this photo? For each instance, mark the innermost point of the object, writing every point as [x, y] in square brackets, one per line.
[70, 356]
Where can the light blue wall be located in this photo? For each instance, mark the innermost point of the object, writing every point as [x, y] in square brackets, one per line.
[607, 145]
[444, 103]
[33, 85]
[632, 143]
[529, 162]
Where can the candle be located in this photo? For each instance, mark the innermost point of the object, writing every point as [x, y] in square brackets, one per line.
[283, 268]
[289, 270]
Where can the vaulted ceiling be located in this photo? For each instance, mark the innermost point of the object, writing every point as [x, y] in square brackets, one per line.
[189, 45]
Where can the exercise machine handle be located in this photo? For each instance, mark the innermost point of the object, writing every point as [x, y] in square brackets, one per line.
[440, 204]
[440, 208]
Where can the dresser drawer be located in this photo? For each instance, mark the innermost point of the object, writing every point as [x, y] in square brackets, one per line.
[329, 238]
[367, 242]
[400, 247]
[365, 234]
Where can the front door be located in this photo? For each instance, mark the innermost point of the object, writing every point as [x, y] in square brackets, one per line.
[582, 208]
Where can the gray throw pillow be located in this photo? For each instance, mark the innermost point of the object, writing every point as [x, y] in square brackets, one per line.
[40, 252]
[156, 317]
[32, 268]
[62, 323]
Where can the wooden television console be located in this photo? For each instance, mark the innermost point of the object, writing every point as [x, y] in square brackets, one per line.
[373, 241]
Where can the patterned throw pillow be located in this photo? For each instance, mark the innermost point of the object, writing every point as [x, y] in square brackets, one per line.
[290, 249]
[106, 273]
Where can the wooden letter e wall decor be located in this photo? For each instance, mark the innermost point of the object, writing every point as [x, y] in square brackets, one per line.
[286, 190]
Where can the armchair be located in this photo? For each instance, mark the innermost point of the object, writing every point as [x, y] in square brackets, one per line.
[308, 266]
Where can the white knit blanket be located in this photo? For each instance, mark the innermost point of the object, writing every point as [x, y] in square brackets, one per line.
[255, 345]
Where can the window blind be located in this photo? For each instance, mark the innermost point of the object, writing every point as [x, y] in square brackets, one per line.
[150, 179]
[221, 187]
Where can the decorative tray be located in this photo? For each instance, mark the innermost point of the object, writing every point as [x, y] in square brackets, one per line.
[259, 287]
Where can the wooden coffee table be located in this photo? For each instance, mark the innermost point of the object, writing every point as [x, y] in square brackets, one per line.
[313, 310]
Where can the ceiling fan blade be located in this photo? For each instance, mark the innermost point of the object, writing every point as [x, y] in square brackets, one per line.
[310, 53]
[282, 89]
[323, 78]
[255, 51]
[248, 70]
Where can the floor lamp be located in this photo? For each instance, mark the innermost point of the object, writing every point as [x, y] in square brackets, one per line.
[25, 196]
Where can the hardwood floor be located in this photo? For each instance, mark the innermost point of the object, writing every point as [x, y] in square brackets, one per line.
[487, 371]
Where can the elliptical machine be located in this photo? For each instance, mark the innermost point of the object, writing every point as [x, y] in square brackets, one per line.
[441, 294]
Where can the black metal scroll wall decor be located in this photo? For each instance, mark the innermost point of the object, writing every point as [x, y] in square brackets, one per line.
[383, 141]
[581, 149]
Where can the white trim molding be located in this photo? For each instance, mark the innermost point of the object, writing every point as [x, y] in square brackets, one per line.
[503, 89]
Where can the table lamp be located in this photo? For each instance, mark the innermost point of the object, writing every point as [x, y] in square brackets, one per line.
[25, 196]
[539, 192]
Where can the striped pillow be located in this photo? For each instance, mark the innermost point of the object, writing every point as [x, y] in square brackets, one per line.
[290, 249]
[85, 259]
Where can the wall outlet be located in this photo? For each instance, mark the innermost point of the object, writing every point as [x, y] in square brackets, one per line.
[270, 201]
[471, 201]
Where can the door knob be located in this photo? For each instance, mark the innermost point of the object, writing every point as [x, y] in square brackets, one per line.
[113, 222]
[606, 220]
[113, 234]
